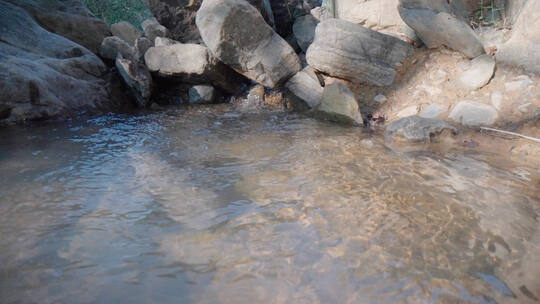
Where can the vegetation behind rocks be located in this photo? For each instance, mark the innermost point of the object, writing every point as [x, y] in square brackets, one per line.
[113, 11]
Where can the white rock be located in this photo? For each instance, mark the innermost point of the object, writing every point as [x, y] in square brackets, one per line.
[408, 111]
[380, 98]
[497, 99]
[521, 83]
[339, 104]
[480, 73]
[471, 113]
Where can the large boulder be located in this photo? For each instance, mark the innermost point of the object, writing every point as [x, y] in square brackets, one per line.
[523, 48]
[191, 63]
[179, 16]
[378, 15]
[339, 104]
[44, 75]
[439, 23]
[68, 18]
[236, 34]
[137, 78]
[351, 51]
[126, 31]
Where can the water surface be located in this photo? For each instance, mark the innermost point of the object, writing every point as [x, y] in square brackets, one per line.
[216, 205]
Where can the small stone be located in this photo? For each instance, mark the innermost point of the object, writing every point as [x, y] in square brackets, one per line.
[497, 99]
[480, 73]
[256, 94]
[305, 86]
[339, 104]
[163, 41]
[112, 46]
[471, 113]
[524, 108]
[380, 98]
[126, 31]
[408, 111]
[142, 44]
[153, 29]
[432, 111]
[419, 129]
[521, 83]
[202, 94]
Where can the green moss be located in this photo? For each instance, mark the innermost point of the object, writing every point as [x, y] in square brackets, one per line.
[112, 11]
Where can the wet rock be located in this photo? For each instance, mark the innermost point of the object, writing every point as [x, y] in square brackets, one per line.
[42, 74]
[478, 75]
[339, 104]
[523, 48]
[471, 113]
[152, 29]
[418, 129]
[142, 44]
[437, 23]
[306, 86]
[378, 15]
[350, 51]
[432, 111]
[202, 94]
[137, 77]
[236, 34]
[112, 46]
[257, 92]
[304, 30]
[68, 18]
[126, 31]
[191, 63]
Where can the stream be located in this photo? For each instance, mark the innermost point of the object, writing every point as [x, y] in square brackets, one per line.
[220, 205]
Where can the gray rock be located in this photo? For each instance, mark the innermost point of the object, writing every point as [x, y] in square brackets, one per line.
[45, 75]
[432, 111]
[142, 44]
[523, 48]
[305, 86]
[236, 34]
[68, 18]
[496, 99]
[112, 46]
[418, 129]
[152, 29]
[328, 5]
[191, 63]
[304, 30]
[202, 94]
[438, 24]
[520, 83]
[479, 74]
[350, 51]
[378, 15]
[380, 98]
[339, 104]
[126, 31]
[285, 11]
[471, 113]
[162, 41]
[137, 77]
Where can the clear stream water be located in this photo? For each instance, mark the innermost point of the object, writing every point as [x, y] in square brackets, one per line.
[216, 205]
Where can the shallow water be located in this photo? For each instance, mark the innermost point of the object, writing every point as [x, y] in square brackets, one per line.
[221, 206]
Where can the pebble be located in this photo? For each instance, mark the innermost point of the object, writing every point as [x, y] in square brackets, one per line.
[380, 98]
[497, 99]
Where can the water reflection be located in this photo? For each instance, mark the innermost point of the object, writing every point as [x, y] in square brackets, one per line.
[219, 206]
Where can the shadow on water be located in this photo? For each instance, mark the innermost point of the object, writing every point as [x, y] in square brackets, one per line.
[220, 206]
